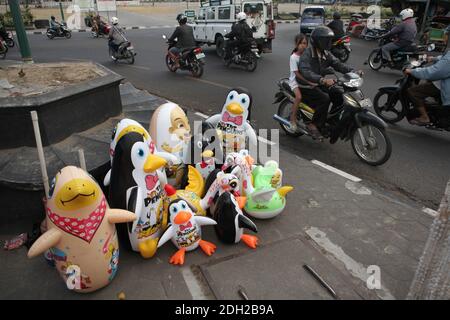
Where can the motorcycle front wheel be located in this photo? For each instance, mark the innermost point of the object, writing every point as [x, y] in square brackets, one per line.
[375, 61]
[170, 64]
[10, 42]
[252, 62]
[386, 108]
[284, 111]
[345, 55]
[197, 69]
[68, 34]
[129, 56]
[371, 144]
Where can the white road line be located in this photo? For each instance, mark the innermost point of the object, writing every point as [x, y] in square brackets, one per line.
[337, 171]
[264, 140]
[357, 269]
[210, 82]
[194, 285]
[430, 212]
[204, 116]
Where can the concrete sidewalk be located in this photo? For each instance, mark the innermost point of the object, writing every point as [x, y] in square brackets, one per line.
[336, 225]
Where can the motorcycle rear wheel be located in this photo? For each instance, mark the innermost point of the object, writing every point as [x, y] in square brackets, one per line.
[3, 51]
[284, 111]
[10, 42]
[252, 62]
[197, 69]
[129, 56]
[376, 138]
[375, 60]
[50, 35]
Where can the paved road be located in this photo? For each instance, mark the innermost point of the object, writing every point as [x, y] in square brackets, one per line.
[419, 166]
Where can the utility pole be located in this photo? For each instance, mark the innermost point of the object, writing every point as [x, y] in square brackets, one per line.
[20, 31]
[425, 16]
[62, 11]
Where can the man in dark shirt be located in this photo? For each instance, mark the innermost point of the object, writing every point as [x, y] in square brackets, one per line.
[240, 34]
[185, 39]
[337, 26]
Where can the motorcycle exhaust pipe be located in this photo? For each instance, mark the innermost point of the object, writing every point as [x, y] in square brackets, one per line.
[287, 123]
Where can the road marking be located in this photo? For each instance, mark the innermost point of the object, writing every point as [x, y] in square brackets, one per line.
[140, 67]
[357, 269]
[337, 171]
[210, 82]
[399, 132]
[195, 286]
[430, 212]
[72, 59]
[357, 189]
[264, 140]
[204, 116]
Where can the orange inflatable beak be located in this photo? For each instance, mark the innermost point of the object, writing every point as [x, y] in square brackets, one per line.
[182, 217]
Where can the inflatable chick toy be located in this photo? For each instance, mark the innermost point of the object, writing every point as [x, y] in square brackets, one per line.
[81, 233]
[232, 122]
[185, 230]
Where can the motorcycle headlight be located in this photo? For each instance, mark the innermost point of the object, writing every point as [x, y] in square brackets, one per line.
[354, 83]
[350, 101]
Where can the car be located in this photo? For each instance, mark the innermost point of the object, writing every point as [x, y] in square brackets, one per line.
[312, 17]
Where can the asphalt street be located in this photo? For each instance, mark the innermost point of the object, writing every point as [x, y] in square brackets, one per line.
[419, 166]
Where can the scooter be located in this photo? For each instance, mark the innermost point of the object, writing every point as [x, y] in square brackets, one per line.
[63, 33]
[125, 52]
[9, 39]
[246, 55]
[341, 49]
[392, 103]
[350, 121]
[191, 59]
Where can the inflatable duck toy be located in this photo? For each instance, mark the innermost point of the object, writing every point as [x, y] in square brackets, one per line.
[232, 121]
[185, 231]
[81, 234]
[265, 198]
[137, 183]
[171, 131]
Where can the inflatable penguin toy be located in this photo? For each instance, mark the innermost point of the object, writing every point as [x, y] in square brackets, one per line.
[185, 230]
[232, 122]
[137, 183]
[228, 214]
[81, 234]
[125, 126]
[171, 131]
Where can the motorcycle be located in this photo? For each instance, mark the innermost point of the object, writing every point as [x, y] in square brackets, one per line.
[246, 55]
[64, 32]
[191, 59]
[103, 30]
[3, 48]
[399, 57]
[352, 120]
[392, 103]
[124, 52]
[341, 48]
[9, 39]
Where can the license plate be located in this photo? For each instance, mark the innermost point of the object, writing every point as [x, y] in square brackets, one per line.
[347, 44]
[130, 48]
[366, 103]
[200, 55]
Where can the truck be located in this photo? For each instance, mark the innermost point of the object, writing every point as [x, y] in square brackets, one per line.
[216, 17]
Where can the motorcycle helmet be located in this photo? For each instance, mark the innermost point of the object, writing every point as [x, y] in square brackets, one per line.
[53, 17]
[336, 15]
[181, 18]
[114, 20]
[241, 16]
[406, 13]
[322, 38]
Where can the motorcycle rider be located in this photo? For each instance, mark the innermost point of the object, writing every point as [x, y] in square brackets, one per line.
[314, 64]
[55, 25]
[405, 34]
[240, 35]
[185, 39]
[437, 86]
[115, 36]
[337, 26]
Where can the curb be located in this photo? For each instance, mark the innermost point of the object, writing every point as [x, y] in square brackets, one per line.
[43, 32]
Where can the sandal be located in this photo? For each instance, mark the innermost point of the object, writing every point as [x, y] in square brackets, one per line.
[315, 133]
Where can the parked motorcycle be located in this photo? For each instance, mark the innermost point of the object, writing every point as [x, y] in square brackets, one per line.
[350, 121]
[246, 55]
[341, 48]
[392, 103]
[64, 32]
[103, 30]
[125, 52]
[399, 57]
[3, 48]
[191, 59]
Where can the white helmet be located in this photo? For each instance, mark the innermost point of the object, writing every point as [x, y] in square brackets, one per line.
[241, 16]
[406, 13]
[114, 20]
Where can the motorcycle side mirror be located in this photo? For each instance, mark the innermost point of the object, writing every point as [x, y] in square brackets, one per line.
[431, 47]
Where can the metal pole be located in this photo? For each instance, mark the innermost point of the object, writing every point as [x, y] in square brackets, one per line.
[62, 11]
[20, 31]
[425, 16]
[40, 149]
[82, 159]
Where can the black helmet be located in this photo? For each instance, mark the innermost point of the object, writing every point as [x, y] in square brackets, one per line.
[53, 17]
[336, 15]
[181, 18]
[322, 38]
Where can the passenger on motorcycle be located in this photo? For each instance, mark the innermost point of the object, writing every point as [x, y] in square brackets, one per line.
[98, 24]
[240, 35]
[115, 36]
[185, 39]
[55, 25]
[314, 65]
[301, 43]
[437, 86]
[337, 26]
[405, 34]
